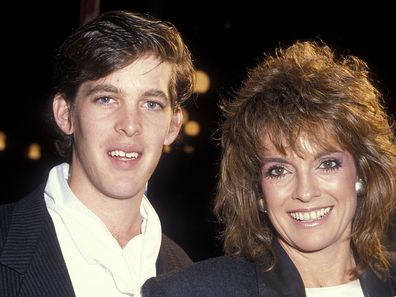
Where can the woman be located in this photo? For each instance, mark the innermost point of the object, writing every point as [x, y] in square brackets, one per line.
[307, 185]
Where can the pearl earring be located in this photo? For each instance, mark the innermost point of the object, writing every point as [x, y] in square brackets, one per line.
[359, 186]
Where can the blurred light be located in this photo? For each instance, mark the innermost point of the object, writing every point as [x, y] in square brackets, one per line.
[34, 152]
[189, 149]
[191, 128]
[202, 82]
[3, 144]
[185, 115]
[166, 149]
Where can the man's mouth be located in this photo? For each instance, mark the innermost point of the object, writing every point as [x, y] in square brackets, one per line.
[123, 154]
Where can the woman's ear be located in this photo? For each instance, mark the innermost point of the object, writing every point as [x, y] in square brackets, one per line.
[174, 128]
[62, 113]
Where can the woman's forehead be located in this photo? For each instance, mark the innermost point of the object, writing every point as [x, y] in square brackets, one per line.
[302, 144]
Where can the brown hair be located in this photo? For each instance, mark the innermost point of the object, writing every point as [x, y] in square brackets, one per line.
[306, 88]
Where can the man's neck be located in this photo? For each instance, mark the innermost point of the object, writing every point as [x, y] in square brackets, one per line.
[122, 217]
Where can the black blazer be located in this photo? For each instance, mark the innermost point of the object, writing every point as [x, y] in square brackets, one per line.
[229, 277]
[31, 261]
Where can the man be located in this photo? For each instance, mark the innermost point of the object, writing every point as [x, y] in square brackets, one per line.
[90, 231]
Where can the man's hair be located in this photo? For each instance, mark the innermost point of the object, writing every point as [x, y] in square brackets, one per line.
[306, 89]
[111, 42]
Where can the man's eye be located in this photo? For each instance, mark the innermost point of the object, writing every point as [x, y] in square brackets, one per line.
[104, 100]
[153, 105]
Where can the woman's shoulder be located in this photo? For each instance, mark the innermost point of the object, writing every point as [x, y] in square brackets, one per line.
[392, 269]
[212, 267]
[392, 259]
[221, 276]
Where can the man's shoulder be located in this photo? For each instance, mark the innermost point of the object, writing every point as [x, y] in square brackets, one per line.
[6, 211]
[171, 256]
[18, 209]
[220, 276]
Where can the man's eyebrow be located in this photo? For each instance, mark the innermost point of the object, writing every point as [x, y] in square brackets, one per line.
[112, 89]
[156, 93]
[103, 88]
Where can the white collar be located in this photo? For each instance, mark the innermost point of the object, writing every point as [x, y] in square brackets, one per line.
[94, 241]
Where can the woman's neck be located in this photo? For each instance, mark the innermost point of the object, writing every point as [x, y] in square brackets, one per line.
[331, 266]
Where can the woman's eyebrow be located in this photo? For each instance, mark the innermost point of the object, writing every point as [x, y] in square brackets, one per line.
[274, 159]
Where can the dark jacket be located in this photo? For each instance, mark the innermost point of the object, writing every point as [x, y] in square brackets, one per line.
[31, 261]
[226, 276]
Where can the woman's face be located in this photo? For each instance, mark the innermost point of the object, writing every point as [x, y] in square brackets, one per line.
[311, 199]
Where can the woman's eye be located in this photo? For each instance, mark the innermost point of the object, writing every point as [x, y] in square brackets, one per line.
[329, 164]
[276, 172]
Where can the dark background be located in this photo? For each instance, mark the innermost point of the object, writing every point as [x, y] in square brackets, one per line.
[225, 39]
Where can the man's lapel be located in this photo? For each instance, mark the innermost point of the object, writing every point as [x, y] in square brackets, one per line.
[31, 260]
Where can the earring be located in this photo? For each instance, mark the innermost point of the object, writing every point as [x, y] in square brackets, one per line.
[359, 186]
[261, 206]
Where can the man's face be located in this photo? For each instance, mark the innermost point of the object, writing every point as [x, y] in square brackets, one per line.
[119, 124]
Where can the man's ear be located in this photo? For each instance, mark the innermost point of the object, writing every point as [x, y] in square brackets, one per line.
[174, 128]
[62, 113]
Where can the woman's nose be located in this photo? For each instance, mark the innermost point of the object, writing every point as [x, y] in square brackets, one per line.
[307, 187]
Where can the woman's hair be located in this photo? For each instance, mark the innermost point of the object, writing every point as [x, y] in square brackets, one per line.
[306, 89]
[111, 42]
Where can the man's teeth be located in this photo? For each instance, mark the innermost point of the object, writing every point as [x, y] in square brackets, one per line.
[122, 154]
[310, 215]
